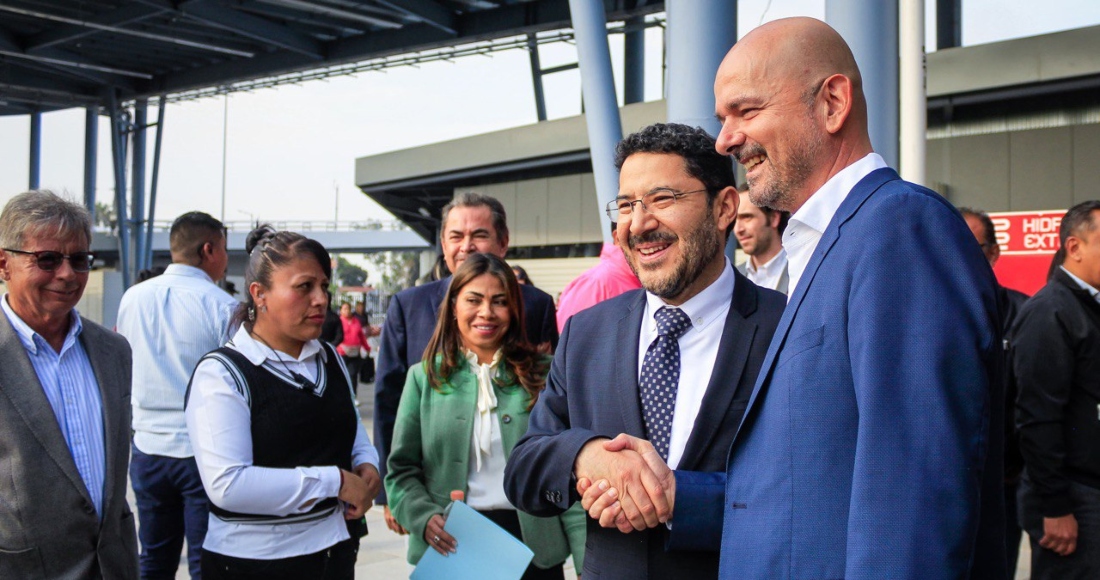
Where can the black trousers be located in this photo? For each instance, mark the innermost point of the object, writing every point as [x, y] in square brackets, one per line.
[508, 520]
[334, 563]
[1084, 563]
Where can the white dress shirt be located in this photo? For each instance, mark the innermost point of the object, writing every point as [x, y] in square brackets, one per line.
[769, 273]
[171, 321]
[698, 352]
[806, 225]
[71, 388]
[219, 422]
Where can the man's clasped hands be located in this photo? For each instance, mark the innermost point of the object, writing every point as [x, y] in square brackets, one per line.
[624, 483]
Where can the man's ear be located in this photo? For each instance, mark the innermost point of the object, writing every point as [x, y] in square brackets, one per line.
[836, 96]
[725, 207]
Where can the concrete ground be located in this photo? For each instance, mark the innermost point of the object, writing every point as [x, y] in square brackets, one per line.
[382, 552]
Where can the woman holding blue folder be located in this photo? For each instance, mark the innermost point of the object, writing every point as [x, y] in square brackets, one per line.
[462, 411]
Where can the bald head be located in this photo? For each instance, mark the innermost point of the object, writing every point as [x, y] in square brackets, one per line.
[790, 99]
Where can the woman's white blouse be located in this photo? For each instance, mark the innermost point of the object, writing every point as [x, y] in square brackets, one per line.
[219, 424]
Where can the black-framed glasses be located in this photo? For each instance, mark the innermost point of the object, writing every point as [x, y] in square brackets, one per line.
[49, 260]
[652, 202]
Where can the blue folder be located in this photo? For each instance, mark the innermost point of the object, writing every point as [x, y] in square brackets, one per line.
[485, 551]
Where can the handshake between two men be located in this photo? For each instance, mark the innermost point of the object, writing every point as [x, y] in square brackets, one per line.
[624, 483]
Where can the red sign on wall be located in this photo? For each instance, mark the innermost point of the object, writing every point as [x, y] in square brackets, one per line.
[1028, 241]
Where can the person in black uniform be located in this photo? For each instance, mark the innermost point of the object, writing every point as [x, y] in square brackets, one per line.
[277, 438]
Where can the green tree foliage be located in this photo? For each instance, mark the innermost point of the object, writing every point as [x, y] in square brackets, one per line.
[397, 270]
[349, 274]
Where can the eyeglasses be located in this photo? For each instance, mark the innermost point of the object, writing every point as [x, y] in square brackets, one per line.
[653, 202]
[49, 260]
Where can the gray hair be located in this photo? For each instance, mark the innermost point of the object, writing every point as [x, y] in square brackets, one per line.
[474, 199]
[42, 212]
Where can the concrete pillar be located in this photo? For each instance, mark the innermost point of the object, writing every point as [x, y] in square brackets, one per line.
[871, 30]
[605, 128]
[699, 34]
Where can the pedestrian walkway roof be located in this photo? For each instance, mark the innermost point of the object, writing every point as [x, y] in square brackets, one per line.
[58, 54]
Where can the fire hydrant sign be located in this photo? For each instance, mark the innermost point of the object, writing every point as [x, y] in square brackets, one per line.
[1028, 241]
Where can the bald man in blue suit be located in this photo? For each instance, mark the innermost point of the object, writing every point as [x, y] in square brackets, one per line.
[871, 446]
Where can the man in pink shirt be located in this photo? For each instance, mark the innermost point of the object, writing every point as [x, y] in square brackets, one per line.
[611, 277]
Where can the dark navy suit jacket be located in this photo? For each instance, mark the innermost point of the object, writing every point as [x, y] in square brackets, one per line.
[872, 445]
[593, 392]
[410, 322]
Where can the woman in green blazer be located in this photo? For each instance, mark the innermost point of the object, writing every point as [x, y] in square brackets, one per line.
[462, 410]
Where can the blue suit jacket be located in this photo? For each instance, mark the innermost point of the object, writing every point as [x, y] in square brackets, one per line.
[592, 392]
[872, 444]
[410, 322]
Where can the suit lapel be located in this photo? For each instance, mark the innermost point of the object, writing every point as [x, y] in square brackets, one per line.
[20, 384]
[625, 378]
[725, 378]
[855, 199]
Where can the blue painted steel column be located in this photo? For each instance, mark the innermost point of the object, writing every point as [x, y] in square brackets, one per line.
[148, 258]
[871, 29]
[35, 170]
[699, 34]
[91, 148]
[118, 156]
[137, 187]
[634, 61]
[605, 129]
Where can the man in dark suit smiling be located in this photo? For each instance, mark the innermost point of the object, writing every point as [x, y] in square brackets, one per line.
[472, 223]
[674, 363]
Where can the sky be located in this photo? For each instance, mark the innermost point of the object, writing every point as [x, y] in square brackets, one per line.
[290, 151]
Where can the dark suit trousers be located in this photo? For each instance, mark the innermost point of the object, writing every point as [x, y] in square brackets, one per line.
[171, 504]
[1083, 563]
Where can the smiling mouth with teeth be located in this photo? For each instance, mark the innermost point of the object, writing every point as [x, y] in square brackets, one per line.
[651, 251]
[752, 162]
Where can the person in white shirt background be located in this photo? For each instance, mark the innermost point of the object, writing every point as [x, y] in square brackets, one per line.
[171, 321]
[759, 232]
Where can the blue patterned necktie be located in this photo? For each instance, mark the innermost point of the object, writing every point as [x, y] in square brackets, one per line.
[661, 377]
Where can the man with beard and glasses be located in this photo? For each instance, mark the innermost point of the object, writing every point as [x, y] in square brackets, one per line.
[674, 363]
[872, 444]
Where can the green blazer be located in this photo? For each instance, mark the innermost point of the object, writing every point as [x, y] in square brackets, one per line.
[430, 457]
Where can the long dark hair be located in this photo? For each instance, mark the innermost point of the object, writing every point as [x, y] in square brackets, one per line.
[268, 249]
[522, 362]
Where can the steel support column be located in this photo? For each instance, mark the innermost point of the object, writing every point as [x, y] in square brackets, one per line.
[137, 186]
[119, 132]
[34, 174]
[148, 257]
[536, 76]
[913, 100]
[91, 157]
[605, 128]
[634, 61]
[948, 24]
[871, 30]
[699, 34]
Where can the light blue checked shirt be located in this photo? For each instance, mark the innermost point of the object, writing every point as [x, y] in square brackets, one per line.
[171, 321]
[73, 392]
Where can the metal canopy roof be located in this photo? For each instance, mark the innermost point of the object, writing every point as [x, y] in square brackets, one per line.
[71, 53]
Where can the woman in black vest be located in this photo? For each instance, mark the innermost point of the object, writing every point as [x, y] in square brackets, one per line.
[275, 431]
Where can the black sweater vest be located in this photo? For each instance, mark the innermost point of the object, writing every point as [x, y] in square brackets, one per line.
[294, 422]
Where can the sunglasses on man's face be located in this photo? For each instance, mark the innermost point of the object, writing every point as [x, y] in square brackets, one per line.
[49, 260]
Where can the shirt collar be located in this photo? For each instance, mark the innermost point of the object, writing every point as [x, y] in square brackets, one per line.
[1084, 285]
[819, 210]
[703, 308]
[188, 271]
[777, 262]
[27, 334]
[257, 352]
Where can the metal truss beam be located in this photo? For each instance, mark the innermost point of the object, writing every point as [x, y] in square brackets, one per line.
[259, 29]
[126, 14]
